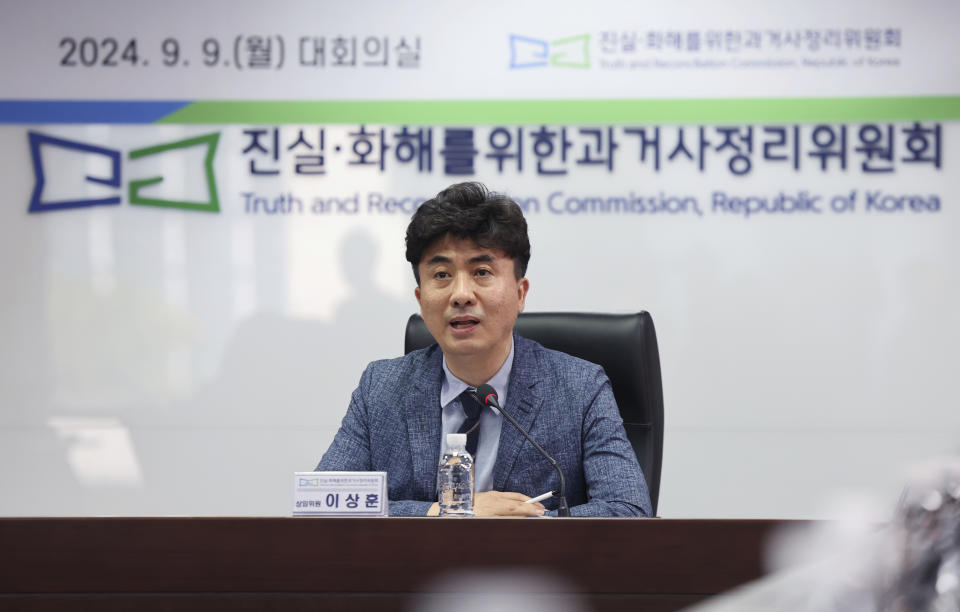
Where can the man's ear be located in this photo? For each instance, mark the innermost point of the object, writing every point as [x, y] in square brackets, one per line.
[523, 286]
[416, 292]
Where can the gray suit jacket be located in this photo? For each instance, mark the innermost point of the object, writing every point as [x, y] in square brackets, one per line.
[393, 425]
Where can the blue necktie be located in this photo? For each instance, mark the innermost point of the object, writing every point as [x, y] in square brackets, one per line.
[471, 426]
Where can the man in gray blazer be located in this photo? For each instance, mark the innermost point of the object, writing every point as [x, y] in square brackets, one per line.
[469, 250]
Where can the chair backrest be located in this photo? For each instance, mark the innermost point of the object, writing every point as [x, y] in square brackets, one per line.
[625, 345]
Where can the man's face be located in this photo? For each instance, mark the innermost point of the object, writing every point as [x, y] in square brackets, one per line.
[469, 298]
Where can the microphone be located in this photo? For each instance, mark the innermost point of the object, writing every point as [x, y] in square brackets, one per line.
[488, 395]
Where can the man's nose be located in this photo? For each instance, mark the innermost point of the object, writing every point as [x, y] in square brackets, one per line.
[463, 294]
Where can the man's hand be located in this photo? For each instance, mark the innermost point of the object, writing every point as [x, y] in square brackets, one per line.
[500, 503]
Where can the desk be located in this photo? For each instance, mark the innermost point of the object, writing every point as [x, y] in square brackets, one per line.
[189, 564]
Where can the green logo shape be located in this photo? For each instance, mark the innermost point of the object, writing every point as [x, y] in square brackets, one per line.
[571, 52]
[212, 205]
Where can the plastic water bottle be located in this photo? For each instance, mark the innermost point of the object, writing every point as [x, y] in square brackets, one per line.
[455, 478]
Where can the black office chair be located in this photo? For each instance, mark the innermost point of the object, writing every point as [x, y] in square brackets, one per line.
[625, 345]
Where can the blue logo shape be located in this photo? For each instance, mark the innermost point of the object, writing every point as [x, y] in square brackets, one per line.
[36, 200]
[528, 52]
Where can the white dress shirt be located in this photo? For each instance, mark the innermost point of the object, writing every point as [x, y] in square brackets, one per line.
[490, 419]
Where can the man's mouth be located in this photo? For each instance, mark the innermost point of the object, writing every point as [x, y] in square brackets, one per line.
[463, 323]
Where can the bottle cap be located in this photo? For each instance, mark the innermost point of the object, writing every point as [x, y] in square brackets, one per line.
[456, 442]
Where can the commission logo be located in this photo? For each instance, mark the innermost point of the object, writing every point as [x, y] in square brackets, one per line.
[570, 52]
[78, 168]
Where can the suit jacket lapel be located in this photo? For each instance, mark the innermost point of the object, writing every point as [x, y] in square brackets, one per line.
[523, 404]
[423, 418]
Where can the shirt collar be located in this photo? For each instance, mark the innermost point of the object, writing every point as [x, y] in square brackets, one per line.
[452, 386]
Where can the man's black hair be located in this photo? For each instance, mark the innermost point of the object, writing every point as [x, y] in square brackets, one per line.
[470, 210]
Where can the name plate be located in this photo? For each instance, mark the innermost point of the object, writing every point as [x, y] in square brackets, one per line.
[340, 494]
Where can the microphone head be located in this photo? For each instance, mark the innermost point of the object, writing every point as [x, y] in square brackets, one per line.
[488, 395]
